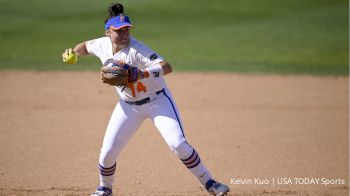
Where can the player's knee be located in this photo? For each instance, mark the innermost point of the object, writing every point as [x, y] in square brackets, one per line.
[107, 157]
[183, 150]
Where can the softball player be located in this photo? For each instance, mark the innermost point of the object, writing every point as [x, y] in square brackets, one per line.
[146, 97]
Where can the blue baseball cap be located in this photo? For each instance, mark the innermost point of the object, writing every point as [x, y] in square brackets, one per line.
[118, 22]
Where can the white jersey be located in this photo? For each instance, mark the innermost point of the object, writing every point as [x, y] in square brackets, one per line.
[136, 54]
[128, 115]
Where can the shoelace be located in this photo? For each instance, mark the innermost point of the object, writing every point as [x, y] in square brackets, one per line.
[100, 192]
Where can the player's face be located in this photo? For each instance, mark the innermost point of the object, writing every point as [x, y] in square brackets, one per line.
[121, 37]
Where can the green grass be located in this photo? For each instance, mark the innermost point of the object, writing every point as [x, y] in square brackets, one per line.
[247, 36]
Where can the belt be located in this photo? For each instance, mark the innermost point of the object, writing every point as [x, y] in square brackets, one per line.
[143, 101]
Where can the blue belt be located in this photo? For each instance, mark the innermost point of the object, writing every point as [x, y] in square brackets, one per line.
[143, 101]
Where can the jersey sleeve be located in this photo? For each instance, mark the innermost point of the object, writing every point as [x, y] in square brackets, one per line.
[147, 57]
[92, 46]
[100, 47]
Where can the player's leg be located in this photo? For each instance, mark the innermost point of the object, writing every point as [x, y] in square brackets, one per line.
[124, 122]
[166, 118]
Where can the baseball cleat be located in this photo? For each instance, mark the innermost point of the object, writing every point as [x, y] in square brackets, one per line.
[216, 188]
[102, 191]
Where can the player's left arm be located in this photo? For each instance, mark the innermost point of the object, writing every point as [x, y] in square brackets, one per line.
[167, 69]
[159, 69]
[155, 65]
[122, 74]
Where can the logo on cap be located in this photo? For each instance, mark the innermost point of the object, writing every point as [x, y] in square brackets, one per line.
[121, 18]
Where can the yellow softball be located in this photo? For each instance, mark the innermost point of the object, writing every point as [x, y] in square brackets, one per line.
[70, 57]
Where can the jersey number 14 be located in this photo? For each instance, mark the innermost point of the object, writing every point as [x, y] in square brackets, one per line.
[139, 88]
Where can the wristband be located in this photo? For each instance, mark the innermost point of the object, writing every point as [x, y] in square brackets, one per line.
[155, 71]
[134, 74]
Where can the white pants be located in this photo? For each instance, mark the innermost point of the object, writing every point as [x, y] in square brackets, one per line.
[126, 119]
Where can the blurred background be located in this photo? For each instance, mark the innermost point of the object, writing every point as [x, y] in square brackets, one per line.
[245, 36]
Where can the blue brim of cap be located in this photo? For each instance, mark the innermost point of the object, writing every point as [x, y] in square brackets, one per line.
[118, 22]
[120, 26]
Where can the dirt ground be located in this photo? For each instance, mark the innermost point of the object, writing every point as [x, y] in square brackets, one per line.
[280, 135]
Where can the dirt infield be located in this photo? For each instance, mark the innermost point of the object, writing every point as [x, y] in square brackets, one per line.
[261, 135]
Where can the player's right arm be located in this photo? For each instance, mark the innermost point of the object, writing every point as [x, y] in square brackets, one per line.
[100, 47]
[71, 55]
[80, 49]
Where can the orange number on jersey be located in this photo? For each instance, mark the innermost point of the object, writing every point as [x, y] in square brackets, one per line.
[132, 88]
[140, 87]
